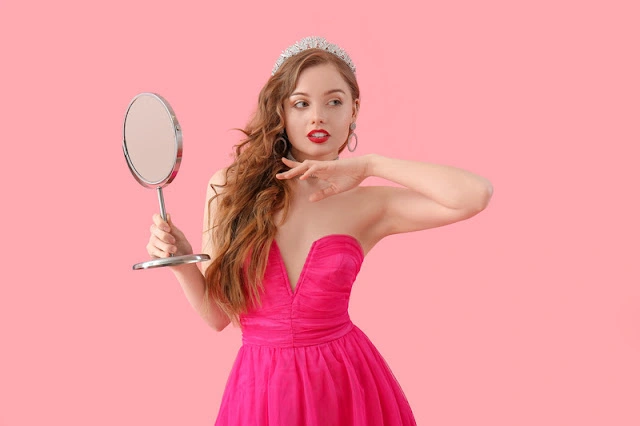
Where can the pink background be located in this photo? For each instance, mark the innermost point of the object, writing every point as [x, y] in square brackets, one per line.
[528, 314]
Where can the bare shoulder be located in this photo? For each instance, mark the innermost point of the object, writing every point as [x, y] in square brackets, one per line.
[218, 180]
[365, 200]
[215, 188]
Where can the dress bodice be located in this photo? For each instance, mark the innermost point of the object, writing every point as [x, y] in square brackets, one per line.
[316, 311]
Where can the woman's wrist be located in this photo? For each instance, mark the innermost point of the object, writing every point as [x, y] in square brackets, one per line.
[372, 161]
[185, 270]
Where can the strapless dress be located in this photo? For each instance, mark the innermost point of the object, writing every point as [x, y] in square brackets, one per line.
[302, 360]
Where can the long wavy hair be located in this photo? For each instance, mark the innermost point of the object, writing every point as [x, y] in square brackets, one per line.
[243, 227]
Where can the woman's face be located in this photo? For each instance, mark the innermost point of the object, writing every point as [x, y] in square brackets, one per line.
[318, 113]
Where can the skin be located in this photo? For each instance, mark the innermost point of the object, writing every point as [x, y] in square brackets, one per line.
[321, 100]
[333, 202]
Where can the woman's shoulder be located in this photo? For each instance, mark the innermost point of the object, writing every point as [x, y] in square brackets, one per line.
[218, 180]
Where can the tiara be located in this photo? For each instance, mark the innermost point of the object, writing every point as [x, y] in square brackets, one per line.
[313, 43]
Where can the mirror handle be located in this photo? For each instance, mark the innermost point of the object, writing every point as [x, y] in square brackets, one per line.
[163, 212]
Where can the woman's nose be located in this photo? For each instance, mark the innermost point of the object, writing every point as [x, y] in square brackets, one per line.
[317, 114]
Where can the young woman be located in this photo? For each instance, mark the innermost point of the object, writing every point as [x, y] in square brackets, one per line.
[287, 226]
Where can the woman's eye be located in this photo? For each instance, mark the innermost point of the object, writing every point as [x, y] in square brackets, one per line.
[302, 104]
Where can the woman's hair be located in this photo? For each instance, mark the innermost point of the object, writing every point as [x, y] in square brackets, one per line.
[243, 227]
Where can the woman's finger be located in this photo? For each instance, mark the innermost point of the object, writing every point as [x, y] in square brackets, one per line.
[296, 170]
[309, 173]
[288, 162]
[322, 194]
[289, 173]
[164, 236]
[155, 251]
[157, 220]
[160, 248]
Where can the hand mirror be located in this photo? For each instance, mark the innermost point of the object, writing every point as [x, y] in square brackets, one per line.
[152, 145]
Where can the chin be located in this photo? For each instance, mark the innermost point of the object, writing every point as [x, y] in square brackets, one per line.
[317, 151]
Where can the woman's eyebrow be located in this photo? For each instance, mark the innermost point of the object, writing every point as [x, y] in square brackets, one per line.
[326, 93]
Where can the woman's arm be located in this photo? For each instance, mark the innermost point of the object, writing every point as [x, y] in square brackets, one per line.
[434, 194]
[449, 186]
[213, 315]
[192, 282]
[166, 238]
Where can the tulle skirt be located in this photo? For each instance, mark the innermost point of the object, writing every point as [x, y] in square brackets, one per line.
[341, 382]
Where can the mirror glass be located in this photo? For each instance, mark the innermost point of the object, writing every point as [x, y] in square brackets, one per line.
[152, 140]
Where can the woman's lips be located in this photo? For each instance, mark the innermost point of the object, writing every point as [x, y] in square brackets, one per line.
[318, 136]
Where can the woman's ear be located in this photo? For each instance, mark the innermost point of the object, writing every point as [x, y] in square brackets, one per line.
[356, 108]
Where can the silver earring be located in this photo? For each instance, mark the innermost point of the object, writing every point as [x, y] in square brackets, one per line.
[282, 138]
[352, 127]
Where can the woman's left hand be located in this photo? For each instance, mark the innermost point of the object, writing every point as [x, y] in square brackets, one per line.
[342, 175]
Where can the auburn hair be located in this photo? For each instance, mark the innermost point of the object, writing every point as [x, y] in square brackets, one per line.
[243, 227]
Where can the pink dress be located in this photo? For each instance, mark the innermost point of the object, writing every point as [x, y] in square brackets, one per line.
[303, 362]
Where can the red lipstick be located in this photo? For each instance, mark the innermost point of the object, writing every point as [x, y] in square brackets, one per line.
[318, 136]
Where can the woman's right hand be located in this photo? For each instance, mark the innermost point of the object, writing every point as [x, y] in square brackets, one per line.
[166, 239]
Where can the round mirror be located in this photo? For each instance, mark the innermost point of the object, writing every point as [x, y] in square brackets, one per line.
[152, 145]
[152, 140]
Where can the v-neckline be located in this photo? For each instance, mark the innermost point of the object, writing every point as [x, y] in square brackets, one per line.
[294, 290]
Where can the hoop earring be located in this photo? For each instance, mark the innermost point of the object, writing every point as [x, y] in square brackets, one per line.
[282, 138]
[352, 127]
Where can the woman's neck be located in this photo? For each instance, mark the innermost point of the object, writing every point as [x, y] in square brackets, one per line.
[292, 158]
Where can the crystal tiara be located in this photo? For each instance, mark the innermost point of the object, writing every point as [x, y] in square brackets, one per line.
[313, 43]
